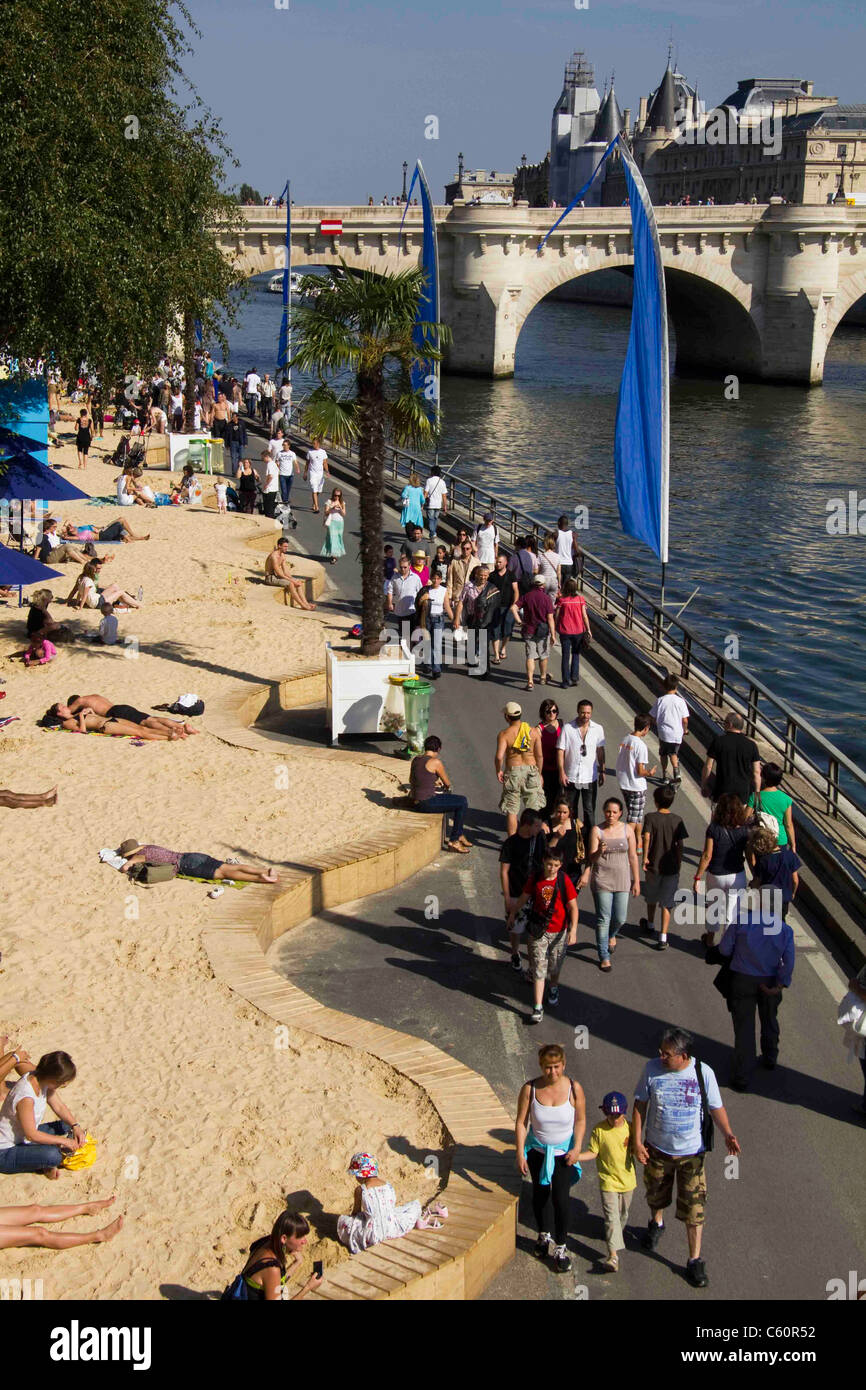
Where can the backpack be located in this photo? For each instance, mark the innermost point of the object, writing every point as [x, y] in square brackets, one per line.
[239, 1290]
[536, 924]
[153, 873]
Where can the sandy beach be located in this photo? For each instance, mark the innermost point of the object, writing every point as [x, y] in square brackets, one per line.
[203, 1125]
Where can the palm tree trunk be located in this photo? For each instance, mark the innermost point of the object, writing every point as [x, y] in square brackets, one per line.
[371, 465]
[189, 371]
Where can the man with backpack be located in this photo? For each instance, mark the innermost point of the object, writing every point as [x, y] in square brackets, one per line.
[676, 1104]
[534, 609]
[549, 904]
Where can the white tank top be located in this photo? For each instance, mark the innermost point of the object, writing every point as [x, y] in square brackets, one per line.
[552, 1124]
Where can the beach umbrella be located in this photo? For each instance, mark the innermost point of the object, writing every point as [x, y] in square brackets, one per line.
[19, 569]
[23, 477]
[18, 443]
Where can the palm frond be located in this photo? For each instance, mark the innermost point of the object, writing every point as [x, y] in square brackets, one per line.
[409, 420]
[323, 414]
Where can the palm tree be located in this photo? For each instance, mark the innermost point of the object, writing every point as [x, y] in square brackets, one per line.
[368, 324]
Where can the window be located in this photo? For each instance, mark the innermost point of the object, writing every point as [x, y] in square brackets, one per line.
[841, 151]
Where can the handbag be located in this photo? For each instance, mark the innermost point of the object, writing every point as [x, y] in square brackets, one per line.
[765, 819]
[708, 1129]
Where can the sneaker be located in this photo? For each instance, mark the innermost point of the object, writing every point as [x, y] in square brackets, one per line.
[561, 1259]
[553, 996]
[677, 777]
[696, 1273]
[542, 1245]
[515, 962]
[537, 1015]
[662, 943]
[652, 1235]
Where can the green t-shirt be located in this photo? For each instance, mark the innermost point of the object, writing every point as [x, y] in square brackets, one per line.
[775, 802]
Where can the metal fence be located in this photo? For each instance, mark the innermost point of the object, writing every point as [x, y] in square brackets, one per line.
[798, 744]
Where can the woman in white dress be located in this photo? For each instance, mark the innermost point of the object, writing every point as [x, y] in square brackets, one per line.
[487, 540]
[376, 1215]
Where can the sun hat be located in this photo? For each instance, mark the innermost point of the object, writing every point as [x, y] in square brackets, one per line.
[416, 553]
[364, 1166]
[513, 710]
[538, 579]
[127, 848]
[614, 1103]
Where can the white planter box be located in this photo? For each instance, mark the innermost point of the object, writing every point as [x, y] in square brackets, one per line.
[359, 693]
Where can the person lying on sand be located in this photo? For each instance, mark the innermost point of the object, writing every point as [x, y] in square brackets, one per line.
[18, 800]
[193, 865]
[100, 704]
[86, 722]
[17, 1227]
[119, 530]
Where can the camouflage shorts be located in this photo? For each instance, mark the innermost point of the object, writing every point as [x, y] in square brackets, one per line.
[521, 787]
[659, 1175]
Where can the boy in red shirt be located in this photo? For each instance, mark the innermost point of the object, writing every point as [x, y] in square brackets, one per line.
[550, 898]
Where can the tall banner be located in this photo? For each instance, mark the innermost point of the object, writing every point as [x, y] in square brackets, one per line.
[642, 439]
[425, 373]
[284, 350]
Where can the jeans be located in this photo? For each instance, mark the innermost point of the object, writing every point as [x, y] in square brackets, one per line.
[744, 998]
[609, 907]
[432, 521]
[557, 1192]
[235, 452]
[863, 1065]
[33, 1158]
[571, 645]
[583, 801]
[435, 627]
[252, 402]
[446, 801]
[286, 488]
[267, 408]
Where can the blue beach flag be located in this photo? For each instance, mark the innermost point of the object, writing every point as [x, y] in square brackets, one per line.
[425, 374]
[642, 438]
[283, 350]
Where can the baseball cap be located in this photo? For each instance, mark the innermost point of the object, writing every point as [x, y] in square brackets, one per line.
[538, 579]
[614, 1103]
[513, 709]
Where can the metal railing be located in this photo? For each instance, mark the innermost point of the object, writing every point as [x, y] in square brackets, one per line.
[799, 746]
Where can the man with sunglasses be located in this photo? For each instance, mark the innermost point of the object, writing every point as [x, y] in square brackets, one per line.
[580, 759]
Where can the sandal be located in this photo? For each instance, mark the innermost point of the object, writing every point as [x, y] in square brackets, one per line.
[437, 1209]
[605, 965]
[528, 686]
[454, 848]
[612, 944]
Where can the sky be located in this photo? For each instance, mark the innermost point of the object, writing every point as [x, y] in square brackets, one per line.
[337, 95]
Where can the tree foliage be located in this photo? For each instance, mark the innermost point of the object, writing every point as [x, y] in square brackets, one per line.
[111, 171]
[367, 324]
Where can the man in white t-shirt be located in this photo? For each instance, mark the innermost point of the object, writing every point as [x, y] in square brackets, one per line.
[436, 499]
[580, 758]
[632, 770]
[315, 469]
[670, 714]
[270, 484]
[252, 381]
[402, 590]
[267, 391]
[287, 467]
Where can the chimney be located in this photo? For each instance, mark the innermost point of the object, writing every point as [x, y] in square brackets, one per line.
[642, 111]
[626, 120]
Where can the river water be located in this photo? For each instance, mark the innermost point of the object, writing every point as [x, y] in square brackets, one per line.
[751, 480]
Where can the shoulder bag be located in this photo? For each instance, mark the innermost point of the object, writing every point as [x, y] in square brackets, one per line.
[708, 1129]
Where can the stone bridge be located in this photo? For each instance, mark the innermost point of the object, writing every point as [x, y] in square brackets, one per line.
[757, 291]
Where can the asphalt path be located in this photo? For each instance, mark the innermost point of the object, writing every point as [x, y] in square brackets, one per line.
[430, 958]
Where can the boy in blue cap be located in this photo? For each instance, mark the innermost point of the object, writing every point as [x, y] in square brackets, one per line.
[610, 1144]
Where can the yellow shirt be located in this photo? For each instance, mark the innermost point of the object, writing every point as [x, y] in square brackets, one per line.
[615, 1165]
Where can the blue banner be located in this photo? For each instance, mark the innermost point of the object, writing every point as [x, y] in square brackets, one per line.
[641, 443]
[283, 353]
[425, 373]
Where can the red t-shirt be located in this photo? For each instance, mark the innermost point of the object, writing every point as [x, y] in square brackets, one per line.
[571, 615]
[541, 892]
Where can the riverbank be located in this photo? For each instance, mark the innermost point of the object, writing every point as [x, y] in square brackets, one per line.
[205, 1120]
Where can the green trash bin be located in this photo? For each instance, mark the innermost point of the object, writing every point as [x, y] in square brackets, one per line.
[416, 698]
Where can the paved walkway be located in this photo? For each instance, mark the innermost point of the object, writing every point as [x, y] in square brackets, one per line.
[428, 958]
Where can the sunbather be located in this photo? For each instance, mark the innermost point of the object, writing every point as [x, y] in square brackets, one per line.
[86, 722]
[100, 704]
[193, 865]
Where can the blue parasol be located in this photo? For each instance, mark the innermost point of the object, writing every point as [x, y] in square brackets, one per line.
[19, 569]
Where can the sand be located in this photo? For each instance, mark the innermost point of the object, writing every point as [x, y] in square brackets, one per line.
[203, 1124]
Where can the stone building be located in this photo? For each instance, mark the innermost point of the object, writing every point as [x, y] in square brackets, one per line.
[476, 185]
[574, 117]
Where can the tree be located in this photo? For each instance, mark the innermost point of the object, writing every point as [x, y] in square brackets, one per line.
[248, 194]
[367, 323]
[98, 163]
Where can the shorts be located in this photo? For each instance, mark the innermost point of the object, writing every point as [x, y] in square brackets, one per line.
[316, 481]
[112, 532]
[669, 750]
[538, 647]
[275, 580]
[635, 805]
[521, 788]
[688, 1171]
[546, 954]
[659, 890]
[128, 712]
[198, 865]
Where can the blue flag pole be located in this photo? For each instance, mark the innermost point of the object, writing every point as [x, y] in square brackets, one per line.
[284, 349]
[426, 373]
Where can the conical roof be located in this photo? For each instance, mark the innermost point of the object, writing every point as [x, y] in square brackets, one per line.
[608, 122]
[664, 104]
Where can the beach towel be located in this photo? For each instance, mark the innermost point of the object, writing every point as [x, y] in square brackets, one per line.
[10, 719]
[96, 733]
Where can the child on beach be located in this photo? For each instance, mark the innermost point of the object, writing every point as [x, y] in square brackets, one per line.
[108, 628]
[375, 1214]
[610, 1144]
[40, 651]
[221, 490]
[663, 835]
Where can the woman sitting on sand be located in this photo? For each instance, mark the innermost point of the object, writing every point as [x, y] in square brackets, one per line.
[100, 704]
[40, 621]
[86, 594]
[86, 722]
[267, 1259]
[26, 1144]
[375, 1214]
[192, 865]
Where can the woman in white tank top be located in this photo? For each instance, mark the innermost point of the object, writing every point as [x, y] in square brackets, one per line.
[551, 1121]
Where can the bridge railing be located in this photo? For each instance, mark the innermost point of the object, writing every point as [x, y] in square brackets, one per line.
[797, 744]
